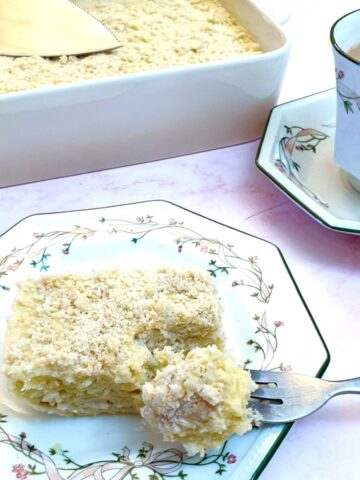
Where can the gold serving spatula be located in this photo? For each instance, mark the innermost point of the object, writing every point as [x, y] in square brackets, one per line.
[50, 28]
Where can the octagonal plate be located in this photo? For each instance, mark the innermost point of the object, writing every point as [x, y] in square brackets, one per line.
[296, 153]
[266, 320]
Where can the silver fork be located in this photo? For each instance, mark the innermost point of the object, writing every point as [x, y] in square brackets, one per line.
[283, 397]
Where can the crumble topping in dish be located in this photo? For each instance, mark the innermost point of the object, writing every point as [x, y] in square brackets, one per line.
[154, 34]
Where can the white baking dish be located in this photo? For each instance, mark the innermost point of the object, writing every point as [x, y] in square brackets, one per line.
[93, 125]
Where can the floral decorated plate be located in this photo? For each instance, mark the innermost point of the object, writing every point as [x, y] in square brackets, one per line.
[266, 320]
[296, 153]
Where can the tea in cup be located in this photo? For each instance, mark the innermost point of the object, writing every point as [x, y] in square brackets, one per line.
[345, 39]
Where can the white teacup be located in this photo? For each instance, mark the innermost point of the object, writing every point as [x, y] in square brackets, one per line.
[345, 39]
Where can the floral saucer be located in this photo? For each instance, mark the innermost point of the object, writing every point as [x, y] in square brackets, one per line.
[296, 153]
[266, 321]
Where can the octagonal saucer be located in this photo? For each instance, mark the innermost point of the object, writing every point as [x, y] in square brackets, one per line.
[266, 320]
[296, 153]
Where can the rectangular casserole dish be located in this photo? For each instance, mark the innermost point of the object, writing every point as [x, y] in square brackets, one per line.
[99, 124]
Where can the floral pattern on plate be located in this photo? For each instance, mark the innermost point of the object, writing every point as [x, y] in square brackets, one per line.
[298, 140]
[164, 464]
[251, 278]
[300, 161]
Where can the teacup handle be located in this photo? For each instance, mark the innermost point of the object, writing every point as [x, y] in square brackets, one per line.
[279, 10]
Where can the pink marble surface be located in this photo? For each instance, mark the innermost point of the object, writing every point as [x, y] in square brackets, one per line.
[226, 186]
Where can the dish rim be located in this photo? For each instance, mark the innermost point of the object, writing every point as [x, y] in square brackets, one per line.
[286, 428]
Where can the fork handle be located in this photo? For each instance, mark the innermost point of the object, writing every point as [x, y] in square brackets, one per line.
[345, 386]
